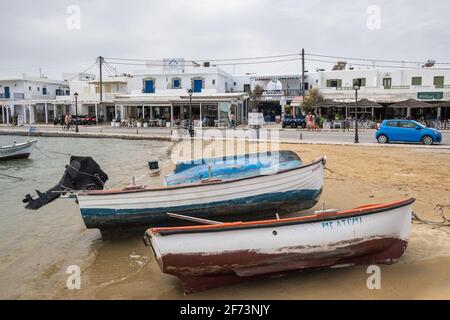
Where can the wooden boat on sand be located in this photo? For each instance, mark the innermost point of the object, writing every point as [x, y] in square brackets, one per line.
[208, 256]
[246, 198]
[17, 150]
[236, 166]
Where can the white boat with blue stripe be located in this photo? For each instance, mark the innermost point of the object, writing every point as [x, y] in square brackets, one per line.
[245, 198]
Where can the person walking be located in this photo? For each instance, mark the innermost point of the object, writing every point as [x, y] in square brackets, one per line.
[309, 121]
[68, 120]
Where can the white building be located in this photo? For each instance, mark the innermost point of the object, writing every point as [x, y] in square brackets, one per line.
[32, 99]
[161, 94]
[387, 86]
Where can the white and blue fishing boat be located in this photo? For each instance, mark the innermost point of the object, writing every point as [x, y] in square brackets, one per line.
[237, 166]
[243, 198]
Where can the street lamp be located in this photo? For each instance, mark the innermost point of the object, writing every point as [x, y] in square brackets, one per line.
[190, 92]
[76, 111]
[190, 123]
[356, 87]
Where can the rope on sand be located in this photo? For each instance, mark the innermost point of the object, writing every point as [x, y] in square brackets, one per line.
[439, 209]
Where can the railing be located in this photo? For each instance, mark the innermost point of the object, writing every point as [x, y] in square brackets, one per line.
[286, 92]
[19, 95]
[12, 96]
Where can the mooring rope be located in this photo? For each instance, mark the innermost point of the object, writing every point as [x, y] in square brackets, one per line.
[88, 174]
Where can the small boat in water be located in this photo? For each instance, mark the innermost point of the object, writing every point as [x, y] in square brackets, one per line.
[237, 166]
[208, 256]
[17, 150]
[247, 198]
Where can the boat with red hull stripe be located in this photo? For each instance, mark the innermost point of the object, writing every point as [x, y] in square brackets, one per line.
[207, 256]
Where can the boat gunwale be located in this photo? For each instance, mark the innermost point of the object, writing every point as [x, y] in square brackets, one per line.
[198, 184]
[230, 226]
[19, 145]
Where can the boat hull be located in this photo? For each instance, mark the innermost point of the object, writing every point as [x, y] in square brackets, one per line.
[18, 151]
[204, 259]
[239, 199]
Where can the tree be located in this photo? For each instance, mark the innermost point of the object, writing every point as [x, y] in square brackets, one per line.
[255, 96]
[314, 97]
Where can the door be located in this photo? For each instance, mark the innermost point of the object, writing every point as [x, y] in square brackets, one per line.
[198, 84]
[387, 83]
[393, 131]
[7, 93]
[408, 131]
[149, 86]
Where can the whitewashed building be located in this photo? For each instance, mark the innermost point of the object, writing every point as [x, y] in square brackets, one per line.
[160, 95]
[388, 86]
[32, 99]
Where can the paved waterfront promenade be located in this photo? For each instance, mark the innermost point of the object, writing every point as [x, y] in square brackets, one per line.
[297, 136]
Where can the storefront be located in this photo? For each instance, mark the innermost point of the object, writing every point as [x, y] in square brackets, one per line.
[210, 110]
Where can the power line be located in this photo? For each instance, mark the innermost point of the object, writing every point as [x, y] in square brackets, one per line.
[216, 64]
[212, 60]
[371, 60]
[86, 70]
[371, 65]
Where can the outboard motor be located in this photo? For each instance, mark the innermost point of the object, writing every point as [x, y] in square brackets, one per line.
[83, 173]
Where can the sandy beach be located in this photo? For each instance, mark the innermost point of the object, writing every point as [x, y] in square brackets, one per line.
[125, 269]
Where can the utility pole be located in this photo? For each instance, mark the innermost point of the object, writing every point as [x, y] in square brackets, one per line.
[303, 74]
[101, 78]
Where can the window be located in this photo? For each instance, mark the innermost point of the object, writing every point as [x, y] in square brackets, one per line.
[387, 83]
[407, 124]
[360, 81]
[416, 81]
[38, 89]
[213, 81]
[176, 83]
[334, 83]
[438, 82]
[44, 91]
[29, 88]
[392, 123]
[234, 84]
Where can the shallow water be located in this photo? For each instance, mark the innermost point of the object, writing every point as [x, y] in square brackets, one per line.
[37, 246]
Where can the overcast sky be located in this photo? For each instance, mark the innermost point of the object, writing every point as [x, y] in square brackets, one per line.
[35, 34]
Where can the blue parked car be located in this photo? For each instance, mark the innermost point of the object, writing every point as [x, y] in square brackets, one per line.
[406, 131]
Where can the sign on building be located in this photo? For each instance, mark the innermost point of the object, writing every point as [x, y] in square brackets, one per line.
[430, 95]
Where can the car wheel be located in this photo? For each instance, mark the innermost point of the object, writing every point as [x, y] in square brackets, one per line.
[283, 125]
[293, 125]
[382, 138]
[427, 140]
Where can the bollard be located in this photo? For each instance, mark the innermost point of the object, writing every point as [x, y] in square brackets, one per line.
[137, 131]
[301, 136]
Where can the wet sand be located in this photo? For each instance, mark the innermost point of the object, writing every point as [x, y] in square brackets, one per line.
[125, 269]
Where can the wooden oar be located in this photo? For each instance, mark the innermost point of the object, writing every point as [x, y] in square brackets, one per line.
[204, 221]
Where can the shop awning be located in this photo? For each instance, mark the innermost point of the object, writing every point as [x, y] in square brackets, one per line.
[297, 102]
[412, 103]
[364, 103]
[328, 103]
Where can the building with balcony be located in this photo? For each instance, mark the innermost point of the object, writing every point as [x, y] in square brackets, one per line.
[33, 99]
[95, 102]
[159, 94]
[387, 87]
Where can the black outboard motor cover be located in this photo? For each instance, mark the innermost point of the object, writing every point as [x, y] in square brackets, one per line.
[83, 173]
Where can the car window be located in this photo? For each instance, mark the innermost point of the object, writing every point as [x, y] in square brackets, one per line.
[407, 124]
[392, 123]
